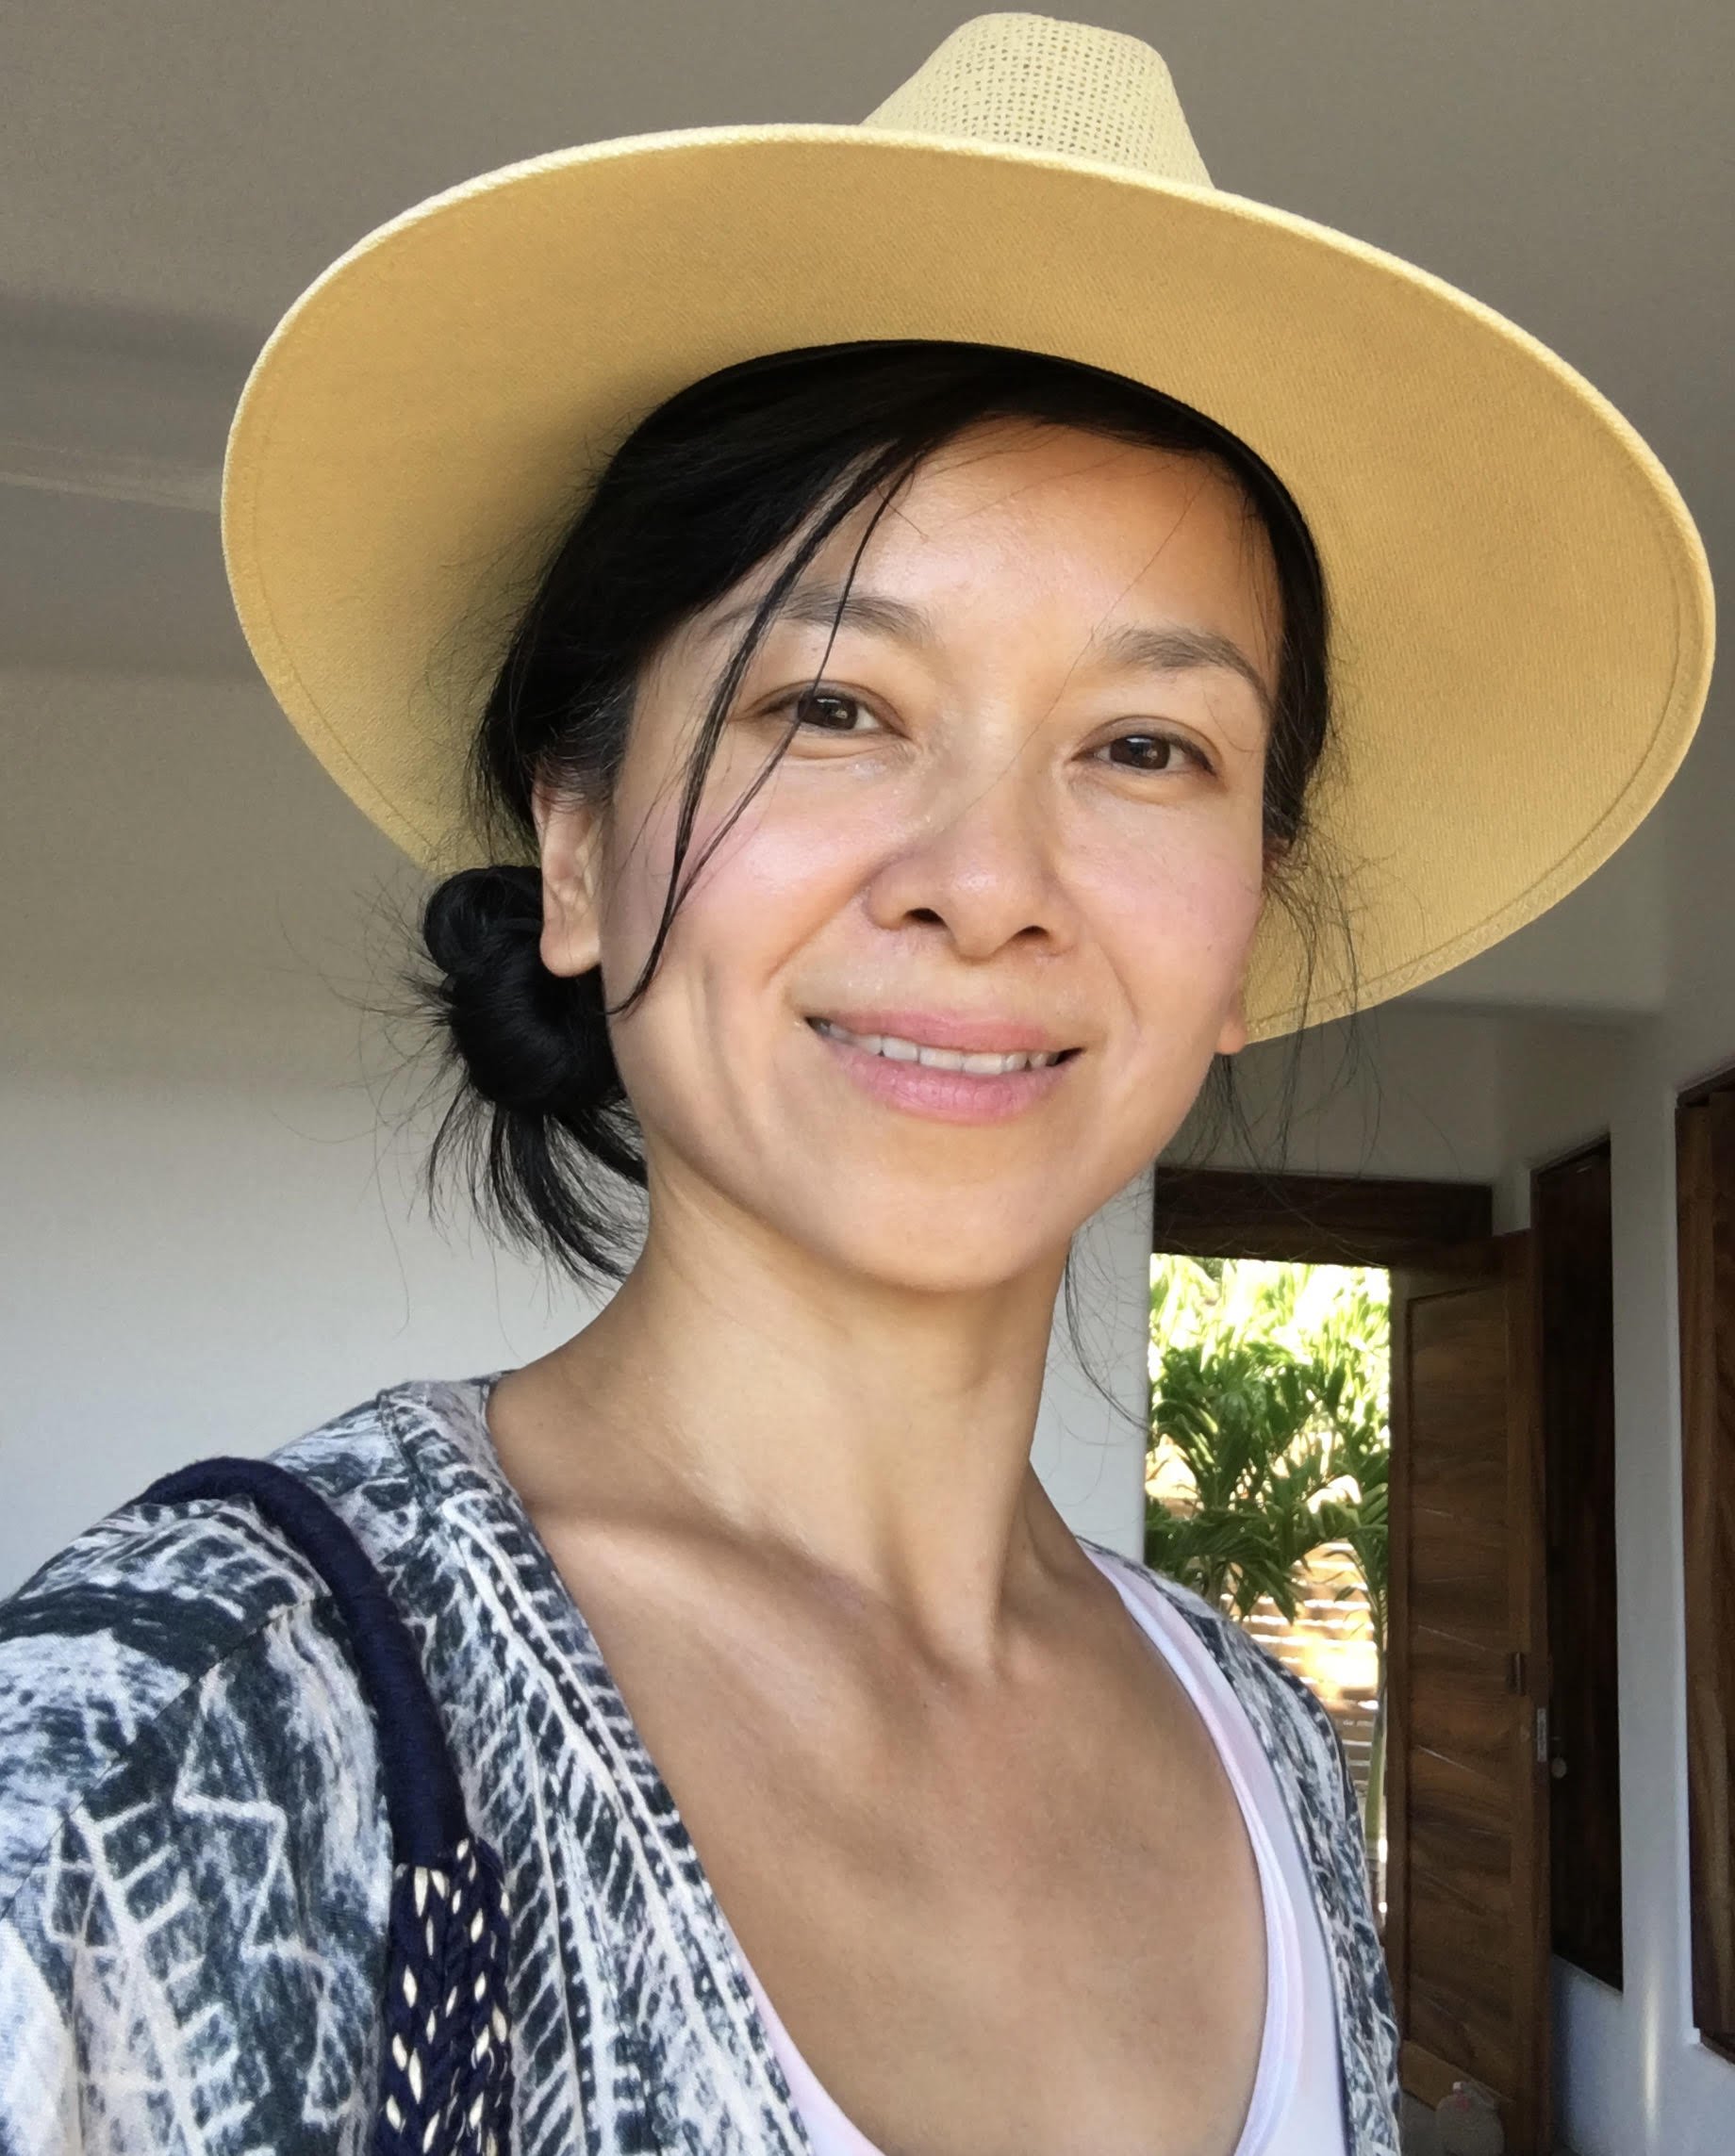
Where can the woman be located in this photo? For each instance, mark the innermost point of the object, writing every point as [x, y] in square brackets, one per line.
[929, 726]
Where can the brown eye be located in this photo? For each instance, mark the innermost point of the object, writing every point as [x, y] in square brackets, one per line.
[827, 711]
[1158, 753]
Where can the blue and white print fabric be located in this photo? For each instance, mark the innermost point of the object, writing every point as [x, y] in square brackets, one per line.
[195, 1864]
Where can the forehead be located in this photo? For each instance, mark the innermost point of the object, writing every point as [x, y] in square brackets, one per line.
[1048, 525]
[1026, 472]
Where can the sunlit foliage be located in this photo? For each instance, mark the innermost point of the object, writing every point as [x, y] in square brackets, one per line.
[1268, 1425]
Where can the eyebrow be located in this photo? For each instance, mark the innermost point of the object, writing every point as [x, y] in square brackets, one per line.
[1177, 650]
[1163, 648]
[818, 605]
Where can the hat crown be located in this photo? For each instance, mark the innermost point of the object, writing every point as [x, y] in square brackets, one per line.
[1037, 84]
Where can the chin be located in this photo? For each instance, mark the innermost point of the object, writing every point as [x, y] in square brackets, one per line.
[941, 1255]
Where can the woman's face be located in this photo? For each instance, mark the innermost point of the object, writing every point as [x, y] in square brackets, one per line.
[1021, 813]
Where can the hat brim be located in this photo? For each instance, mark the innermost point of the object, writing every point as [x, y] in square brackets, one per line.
[1521, 636]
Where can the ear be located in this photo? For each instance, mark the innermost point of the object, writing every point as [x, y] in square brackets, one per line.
[1233, 1037]
[569, 840]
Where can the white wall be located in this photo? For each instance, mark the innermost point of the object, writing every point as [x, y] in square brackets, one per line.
[1412, 1089]
[209, 1251]
[1632, 2074]
[1089, 1448]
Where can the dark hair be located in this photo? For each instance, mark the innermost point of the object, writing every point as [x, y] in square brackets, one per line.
[706, 491]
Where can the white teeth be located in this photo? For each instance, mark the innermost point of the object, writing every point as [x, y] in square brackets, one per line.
[898, 1051]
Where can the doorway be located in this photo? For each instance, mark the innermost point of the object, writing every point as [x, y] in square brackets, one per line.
[1266, 1476]
[1500, 1358]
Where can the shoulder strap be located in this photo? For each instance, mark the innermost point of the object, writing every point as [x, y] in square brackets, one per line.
[446, 2063]
[422, 1797]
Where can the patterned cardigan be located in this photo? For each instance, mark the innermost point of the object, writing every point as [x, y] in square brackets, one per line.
[195, 1863]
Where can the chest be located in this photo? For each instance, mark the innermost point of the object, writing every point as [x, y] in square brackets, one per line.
[1023, 1915]
[1035, 1959]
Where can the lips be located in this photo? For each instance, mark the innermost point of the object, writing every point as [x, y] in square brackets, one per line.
[927, 1071]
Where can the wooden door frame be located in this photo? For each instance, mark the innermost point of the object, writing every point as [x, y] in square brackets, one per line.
[1706, 1289]
[1313, 1219]
[1560, 1576]
[1383, 1221]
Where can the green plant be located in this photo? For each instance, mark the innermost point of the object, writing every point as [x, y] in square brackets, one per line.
[1238, 1416]
[1269, 1436]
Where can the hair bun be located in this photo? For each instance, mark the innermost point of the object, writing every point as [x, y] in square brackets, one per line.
[531, 1041]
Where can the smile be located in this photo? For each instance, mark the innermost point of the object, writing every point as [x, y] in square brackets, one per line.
[977, 1063]
[981, 1084]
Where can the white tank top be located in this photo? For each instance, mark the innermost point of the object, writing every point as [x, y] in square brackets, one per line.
[1296, 2106]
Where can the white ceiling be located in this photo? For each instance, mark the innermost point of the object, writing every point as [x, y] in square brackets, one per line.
[173, 174]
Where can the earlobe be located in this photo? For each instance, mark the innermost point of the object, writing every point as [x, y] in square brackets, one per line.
[1234, 1036]
[569, 839]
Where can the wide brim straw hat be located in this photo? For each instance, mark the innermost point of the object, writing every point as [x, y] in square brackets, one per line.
[1521, 611]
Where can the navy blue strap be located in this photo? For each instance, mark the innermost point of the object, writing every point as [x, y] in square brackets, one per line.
[446, 2063]
[423, 1798]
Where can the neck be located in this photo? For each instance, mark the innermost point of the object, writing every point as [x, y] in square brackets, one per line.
[736, 1386]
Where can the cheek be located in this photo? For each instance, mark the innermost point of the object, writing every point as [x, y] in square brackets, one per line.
[712, 1020]
[772, 874]
[1177, 922]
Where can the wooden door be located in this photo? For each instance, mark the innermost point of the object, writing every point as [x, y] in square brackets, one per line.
[1572, 1222]
[1706, 1139]
[1467, 1923]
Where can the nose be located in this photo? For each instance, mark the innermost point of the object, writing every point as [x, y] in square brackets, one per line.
[981, 867]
